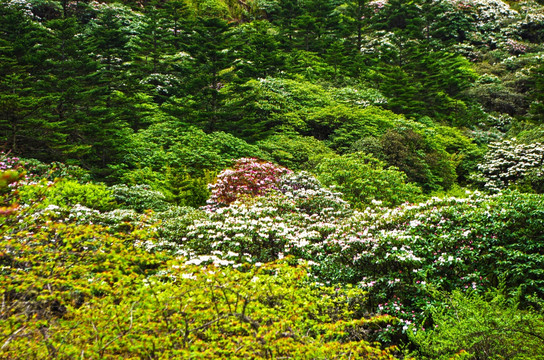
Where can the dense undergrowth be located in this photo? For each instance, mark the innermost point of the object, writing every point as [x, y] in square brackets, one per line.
[304, 179]
[280, 268]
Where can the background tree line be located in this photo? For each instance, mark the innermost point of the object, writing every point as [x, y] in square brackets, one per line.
[421, 85]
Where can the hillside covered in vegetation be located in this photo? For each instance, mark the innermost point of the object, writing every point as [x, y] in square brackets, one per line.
[272, 179]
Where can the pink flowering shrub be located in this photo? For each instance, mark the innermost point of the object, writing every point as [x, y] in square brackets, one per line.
[515, 47]
[8, 163]
[249, 177]
[10, 175]
[377, 5]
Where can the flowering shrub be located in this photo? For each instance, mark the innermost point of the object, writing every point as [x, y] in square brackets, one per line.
[311, 197]
[515, 47]
[139, 197]
[487, 14]
[267, 228]
[8, 163]
[376, 5]
[71, 289]
[8, 180]
[51, 171]
[171, 225]
[248, 177]
[10, 176]
[395, 254]
[508, 162]
[452, 243]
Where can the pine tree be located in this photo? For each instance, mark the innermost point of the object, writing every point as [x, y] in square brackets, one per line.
[24, 97]
[104, 117]
[213, 57]
[259, 50]
[357, 14]
[285, 16]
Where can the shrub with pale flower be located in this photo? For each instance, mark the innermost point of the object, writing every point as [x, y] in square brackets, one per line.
[509, 162]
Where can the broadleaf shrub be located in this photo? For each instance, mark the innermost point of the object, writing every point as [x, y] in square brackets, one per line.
[139, 198]
[66, 192]
[364, 180]
[488, 326]
[509, 163]
[248, 177]
[71, 289]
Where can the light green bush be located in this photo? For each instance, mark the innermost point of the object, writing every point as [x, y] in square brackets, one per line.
[486, 326]
[364, 180]
[69, 193]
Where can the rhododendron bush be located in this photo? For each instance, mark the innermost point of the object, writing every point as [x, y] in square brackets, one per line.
[509, 163]
[72, 289]
[394, 253]
[247, 267]
[248, 177]
[285, 222]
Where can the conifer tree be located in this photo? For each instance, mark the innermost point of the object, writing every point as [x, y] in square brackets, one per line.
[213, 56]
[24, 96]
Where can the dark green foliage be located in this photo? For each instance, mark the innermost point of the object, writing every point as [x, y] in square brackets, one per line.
[433, 158]
[422, 83]
[537, 106]
[355, 20]
[23, 93]
[259, 50]
[399, 16]
[496, 97]
[422, 160]
[212, 66]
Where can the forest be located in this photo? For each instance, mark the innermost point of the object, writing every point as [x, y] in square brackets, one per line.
[272, 179]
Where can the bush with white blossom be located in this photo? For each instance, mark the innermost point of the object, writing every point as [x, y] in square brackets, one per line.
[509, 162]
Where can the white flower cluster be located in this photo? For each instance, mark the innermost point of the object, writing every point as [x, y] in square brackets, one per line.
[278, 225]
[381, 42]
[403, 254]
[311, 197]
[509, 161]
[164, 83]
[501, 122]
[289, 221]
[362, 98]
[24, 6]
[489, 12]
